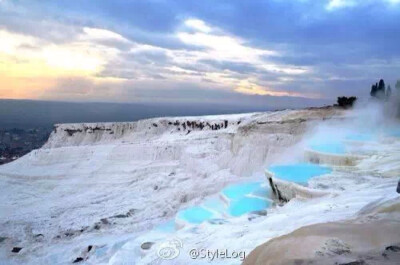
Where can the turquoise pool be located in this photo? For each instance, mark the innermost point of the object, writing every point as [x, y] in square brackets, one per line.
[167, 227]
[215, 205]
[237, 191]
[263, 192]
[299, 173]
[243, 198]
[195, 215]
[246, 197]
[395, 132]
[246, 205]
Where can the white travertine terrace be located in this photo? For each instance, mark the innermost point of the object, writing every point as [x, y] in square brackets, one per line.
[108, 185]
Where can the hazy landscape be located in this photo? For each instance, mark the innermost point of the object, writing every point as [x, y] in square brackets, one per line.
[257, 132]
[29, 114]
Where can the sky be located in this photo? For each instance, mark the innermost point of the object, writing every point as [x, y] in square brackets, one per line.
[216, 51]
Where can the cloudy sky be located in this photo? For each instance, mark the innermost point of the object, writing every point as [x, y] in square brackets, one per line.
[221, 51]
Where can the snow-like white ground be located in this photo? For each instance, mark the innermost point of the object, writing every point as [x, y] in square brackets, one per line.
[109, 185]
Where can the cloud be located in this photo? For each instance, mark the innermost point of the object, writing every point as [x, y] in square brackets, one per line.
[171, 92]
[284, 48]
[337, 4]
[80, 55]
[217, 42]
[334, 4]
[212, 63]
[198, 25]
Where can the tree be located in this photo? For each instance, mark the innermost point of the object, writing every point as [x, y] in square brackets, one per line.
[346, 102]
[378, 90]
[374, 89]
[398, 84]
[388, 91]
[381, 86]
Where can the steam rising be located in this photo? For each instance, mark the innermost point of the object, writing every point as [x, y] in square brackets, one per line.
[370, 121]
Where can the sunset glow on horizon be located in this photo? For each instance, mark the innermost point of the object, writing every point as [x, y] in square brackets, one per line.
[73, 55]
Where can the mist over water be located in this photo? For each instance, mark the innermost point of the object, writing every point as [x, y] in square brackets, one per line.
[369, 120]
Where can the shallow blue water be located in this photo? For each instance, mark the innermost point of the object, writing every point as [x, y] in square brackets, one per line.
[237, 191]
[168, 227]
[214, 209]
[240, 200]
[246, 205]
[216, 205]
[261, 192]
[100, 251]
[195, 215]
[395, 132]
[333, 147]
[299, 173]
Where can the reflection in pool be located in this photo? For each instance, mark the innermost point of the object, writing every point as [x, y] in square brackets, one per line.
[299, 173]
